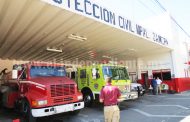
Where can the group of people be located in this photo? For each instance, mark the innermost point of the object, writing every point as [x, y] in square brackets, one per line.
[156, 86]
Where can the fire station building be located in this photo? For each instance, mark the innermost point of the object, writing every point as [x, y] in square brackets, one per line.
[75, 32]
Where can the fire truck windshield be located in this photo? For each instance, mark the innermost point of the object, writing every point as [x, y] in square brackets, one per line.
[117, 73]
[44, 71]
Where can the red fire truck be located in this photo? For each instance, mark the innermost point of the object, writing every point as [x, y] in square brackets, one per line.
[40, 89]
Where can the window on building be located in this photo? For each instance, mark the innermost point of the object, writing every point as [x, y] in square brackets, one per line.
[166, 75]
[163, 74]
[83, 73]
[157, 74]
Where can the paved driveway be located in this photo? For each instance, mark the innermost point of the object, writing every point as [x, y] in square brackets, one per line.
[149, 108]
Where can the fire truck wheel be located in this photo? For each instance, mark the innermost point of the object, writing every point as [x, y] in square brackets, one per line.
[1, 100]
[88, 99]
[27, 112]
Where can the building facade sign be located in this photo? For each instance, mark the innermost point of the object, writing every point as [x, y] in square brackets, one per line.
[92, 10]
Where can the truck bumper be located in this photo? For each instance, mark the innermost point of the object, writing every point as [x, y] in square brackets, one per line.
[134, 95]
[40, 112]
[130, 96]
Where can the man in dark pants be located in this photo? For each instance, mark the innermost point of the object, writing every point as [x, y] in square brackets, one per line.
[109, 95]
[154, 86]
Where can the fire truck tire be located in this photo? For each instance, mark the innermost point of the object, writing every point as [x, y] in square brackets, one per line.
[1, 100]
[27, 112]
[88, 99]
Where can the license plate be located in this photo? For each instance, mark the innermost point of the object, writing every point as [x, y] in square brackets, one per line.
[65, 109]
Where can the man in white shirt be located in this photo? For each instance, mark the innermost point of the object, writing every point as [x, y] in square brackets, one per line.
[158, 85]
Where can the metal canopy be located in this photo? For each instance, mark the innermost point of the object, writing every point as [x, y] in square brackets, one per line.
[28, 27]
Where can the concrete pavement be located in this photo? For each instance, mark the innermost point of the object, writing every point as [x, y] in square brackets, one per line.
[149, 108]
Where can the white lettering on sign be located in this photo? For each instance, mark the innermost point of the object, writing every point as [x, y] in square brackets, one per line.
[92, 10]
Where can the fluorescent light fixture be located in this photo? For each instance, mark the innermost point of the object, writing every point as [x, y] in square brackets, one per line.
[105, 56]
[131, 49]
[76, 37]
[54, 50]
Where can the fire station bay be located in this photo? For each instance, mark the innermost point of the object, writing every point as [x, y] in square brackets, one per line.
[85, 32]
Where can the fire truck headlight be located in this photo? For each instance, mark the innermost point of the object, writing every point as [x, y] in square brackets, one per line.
[39, 102]
[80, 97]
[42, 102]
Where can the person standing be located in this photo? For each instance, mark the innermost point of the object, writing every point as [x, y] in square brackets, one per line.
[109, 96]
[158, 85]
[154, 86]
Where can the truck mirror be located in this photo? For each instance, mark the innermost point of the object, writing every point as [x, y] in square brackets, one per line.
[14, 74]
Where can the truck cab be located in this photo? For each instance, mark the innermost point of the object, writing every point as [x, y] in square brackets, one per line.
[91, 79]
[41, 89]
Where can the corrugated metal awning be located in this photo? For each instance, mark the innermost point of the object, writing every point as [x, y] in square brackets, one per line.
[28, 27]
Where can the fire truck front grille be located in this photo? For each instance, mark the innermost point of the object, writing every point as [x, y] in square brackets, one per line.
[58, 100]
[62, 90]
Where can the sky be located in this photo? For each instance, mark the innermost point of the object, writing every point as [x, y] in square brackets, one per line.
[139, 10]
[180, 10]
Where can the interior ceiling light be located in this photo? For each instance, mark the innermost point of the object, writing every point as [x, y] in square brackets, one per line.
[76, 37]
[54, 50]
[105, 56]
[92, 52]
[131, 49]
